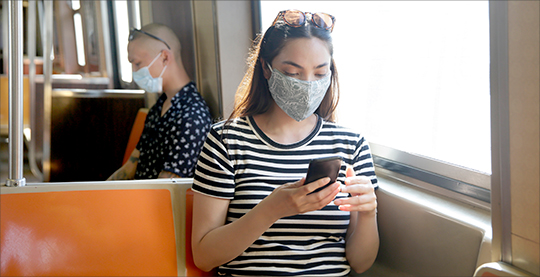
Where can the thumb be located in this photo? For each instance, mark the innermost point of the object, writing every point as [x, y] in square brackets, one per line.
[296, 184]
[349, 172]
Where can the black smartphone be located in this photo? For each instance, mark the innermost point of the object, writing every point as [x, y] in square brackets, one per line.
[323, 167]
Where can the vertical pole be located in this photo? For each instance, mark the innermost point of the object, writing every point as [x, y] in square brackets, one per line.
[31, 50]
[15, 88]
[47, 87]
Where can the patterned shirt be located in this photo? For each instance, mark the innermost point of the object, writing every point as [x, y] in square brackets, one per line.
[172, 142]
[244, 165]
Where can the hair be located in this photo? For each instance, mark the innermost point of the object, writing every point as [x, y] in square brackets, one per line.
[163, 32]
[253, 96]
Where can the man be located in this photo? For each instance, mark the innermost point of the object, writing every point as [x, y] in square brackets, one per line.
[177, 125]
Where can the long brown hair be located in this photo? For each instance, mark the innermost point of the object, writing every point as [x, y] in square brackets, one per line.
[253, 97]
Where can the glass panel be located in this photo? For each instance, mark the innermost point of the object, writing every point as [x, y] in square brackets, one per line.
[122, 32]
[414, 75]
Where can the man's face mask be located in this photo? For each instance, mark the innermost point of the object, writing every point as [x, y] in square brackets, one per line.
[144, 79]
[299, 99]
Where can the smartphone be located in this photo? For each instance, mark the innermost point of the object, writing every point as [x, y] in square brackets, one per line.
[323, 167]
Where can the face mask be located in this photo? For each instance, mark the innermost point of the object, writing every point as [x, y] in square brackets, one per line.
[144, 79]
[299, 99]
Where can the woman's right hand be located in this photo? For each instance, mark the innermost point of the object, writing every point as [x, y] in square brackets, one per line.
[295, 198]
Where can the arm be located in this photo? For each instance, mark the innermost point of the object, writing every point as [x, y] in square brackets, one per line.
[215, 243]
[362, 242]
[127, 171]
[167, 174]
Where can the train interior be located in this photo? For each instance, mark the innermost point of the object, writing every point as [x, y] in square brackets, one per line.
[473, 210]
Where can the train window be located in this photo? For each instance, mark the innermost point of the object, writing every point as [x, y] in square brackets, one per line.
[414, 79]
[122, 32]
[77, 20]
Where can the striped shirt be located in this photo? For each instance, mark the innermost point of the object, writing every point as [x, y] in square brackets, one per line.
[244, 166]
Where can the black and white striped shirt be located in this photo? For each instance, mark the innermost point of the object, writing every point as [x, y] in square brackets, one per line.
[243, 165]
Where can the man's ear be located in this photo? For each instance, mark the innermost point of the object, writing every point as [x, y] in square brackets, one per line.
[166, 56]
[266, 71]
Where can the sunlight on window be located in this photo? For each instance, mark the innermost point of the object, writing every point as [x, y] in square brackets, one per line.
[414, 75]
[75, 5]
[77, 20]
[122, 29]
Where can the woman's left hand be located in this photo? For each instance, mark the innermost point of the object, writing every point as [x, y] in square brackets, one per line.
[363, 198]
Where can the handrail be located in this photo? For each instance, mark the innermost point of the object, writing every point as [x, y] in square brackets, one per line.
[47, 86]
[31, 50]
[98, 93]
[15, 85]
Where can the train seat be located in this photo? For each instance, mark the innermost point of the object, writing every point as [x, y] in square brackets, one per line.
[499, 269]
[422, 234]
[120, 228]
[135, 133]
[4, 108]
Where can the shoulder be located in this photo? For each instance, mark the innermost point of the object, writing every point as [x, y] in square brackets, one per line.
[189, 94]
[336, 130]
[191, 102]
[234, 125]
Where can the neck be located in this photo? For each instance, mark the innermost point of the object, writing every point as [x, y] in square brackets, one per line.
[176, 80]
[281, 128]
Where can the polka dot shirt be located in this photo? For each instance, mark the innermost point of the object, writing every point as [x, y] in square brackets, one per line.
[172, 142]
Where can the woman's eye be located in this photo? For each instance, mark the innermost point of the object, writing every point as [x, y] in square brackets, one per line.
[291, 74]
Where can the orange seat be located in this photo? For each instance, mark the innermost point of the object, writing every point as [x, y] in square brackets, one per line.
[136, 132]
[121, 228]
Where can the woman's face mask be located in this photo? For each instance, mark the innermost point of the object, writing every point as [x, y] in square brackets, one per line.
[144, 79]
[298, 99]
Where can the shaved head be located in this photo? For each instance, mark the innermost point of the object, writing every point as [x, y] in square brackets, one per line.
[153, 45]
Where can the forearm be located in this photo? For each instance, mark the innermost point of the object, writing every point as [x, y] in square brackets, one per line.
[127, 171]
[121, 174]
[227, 242]
[363, 243]
[168, 174]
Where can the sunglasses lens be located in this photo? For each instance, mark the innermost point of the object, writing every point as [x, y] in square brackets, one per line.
[294, 18]
[324, 21]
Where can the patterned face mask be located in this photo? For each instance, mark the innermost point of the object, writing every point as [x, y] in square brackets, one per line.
[144, 79]
[299, 99]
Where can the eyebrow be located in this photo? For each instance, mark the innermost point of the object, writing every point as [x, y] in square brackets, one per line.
[300, 67]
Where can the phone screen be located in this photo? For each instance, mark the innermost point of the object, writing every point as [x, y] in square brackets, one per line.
[323, 167]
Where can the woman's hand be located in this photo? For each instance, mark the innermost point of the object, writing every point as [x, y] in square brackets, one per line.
[363, 198]
[215, 243]
[295, 198]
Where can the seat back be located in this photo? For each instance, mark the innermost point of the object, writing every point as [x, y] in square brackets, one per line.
[136, 132]
[121, 228]
[499, 269]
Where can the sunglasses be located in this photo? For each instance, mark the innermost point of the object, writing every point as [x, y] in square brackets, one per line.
[296, 18]
[133, 32]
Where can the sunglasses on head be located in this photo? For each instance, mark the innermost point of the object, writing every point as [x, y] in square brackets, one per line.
[133, 32]
[296, 18]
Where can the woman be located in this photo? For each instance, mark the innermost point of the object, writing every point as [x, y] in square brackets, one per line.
[253, 214]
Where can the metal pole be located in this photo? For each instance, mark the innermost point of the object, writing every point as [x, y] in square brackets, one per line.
[15, 88]
[31, 50]
[47, 87]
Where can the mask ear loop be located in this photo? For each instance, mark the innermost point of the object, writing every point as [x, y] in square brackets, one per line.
[270, 67]
[155, 59]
